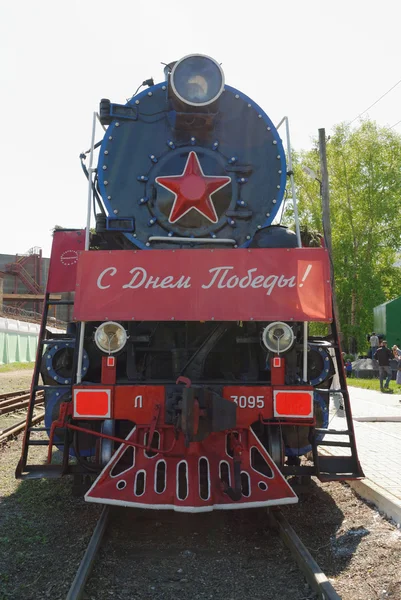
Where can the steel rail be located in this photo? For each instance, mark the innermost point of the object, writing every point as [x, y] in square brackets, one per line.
[17, 427]
[19, 400]
[12, 394]
[78, 585]
[309, 567]
[18, 406]
[13, 399]
[313, 573]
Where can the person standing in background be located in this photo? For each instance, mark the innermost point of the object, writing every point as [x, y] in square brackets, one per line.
[396, 352]
[397, 355]
[383, 356]
[374, 344]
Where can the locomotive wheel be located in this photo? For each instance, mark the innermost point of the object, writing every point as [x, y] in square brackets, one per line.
[275, 446]
[107, 446]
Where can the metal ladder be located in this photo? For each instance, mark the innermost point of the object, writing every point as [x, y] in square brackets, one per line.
[332, 468]
[23, 470]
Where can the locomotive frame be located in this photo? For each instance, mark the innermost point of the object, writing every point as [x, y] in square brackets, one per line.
[188, 380]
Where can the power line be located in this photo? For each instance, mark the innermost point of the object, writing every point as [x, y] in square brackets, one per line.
[374, 103]
[398, 122]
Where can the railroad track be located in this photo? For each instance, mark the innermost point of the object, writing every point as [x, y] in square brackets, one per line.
[309, 567]
[12, 394]
[13, 401]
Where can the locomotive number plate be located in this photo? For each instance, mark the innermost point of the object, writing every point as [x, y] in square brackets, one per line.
[249, 401]
[252, 402]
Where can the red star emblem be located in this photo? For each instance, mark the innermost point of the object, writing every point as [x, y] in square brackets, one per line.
[193, 190]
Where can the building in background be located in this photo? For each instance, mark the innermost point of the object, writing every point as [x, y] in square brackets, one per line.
[23, 279]
[387, 321]
[18, 341]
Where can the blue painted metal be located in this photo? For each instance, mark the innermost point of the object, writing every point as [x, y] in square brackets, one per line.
[50, 354]
[243, 143]
[328, 367]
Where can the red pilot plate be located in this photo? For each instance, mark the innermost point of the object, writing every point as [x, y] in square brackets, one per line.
[293, 403]
[94, 403]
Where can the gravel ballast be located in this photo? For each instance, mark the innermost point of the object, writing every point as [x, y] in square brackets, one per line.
[164, 555]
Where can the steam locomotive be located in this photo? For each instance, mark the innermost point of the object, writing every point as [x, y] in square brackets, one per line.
[188, 379]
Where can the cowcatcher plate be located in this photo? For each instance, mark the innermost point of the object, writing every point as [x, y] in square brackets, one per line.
[191, 479]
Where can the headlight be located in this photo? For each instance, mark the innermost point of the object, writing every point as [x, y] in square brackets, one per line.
[197, 80]
[278, 337]
[110, 337]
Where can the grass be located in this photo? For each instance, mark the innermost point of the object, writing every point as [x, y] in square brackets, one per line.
[18, 366]
[372, 384]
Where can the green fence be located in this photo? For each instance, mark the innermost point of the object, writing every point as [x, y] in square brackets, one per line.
[18, 341]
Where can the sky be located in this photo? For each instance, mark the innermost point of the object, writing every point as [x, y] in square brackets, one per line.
[318, 62]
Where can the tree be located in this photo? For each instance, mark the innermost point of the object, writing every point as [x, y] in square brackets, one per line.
[365, 195]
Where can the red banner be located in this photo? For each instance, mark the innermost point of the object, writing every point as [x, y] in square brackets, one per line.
[204, 285]
[67, 244]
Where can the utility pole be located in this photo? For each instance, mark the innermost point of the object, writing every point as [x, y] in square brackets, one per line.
[325, 192]
[325, 195]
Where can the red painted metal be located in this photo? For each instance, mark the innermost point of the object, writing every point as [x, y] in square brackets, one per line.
[191, 480]
[261, 285]
[133, 402]
[64, 414]
[277, 367]
[253, 402]
[105, 436]
[64, 259]
[166, 474]
[136, 403]
[293, 403]
[109, 370]
[185, 380]
[92, 403]
[193, 190]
